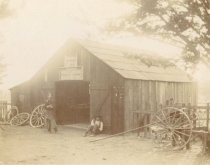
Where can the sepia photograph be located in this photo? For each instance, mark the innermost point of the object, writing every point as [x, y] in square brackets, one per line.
[104, 82]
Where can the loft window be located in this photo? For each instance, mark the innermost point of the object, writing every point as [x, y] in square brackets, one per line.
[72, 61]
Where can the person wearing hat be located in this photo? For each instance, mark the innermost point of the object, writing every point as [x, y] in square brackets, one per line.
[50, 119]
[96, 126]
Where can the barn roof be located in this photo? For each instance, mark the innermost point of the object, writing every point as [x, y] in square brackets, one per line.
[132, 64]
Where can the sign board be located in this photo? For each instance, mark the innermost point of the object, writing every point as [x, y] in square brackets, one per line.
[73, 73]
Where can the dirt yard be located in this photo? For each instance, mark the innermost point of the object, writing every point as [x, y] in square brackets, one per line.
[30, 146]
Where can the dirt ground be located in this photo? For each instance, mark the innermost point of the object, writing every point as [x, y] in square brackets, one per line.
[31, 146]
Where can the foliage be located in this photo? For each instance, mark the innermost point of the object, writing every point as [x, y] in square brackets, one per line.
[150, 60]
[187, 22]
[4, 12]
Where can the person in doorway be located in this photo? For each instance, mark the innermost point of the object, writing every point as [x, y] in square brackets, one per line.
[50, 119]
[96, 126]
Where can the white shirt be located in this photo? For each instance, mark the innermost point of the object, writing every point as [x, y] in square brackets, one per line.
[98, 123]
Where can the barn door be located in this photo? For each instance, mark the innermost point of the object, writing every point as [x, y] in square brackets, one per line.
[72, 102]
[117, 114]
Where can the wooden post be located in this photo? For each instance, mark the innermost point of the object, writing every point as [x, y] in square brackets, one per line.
[145, 119]
[138, 122]
[194, 117]
[207, 117]
[188, 146]
[145, 123]
[205, 139]
[206, 135]
[150, 121]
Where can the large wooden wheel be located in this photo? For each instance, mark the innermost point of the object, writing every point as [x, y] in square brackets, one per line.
[171, 127]
[38, 116]
[19, 119]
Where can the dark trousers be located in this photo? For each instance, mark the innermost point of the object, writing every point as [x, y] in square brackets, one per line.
[51, 125]
[93, 129]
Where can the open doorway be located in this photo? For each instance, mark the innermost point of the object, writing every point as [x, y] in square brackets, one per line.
[72, 102]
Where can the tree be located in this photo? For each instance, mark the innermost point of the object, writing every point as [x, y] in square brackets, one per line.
[187, 22]
[4, 12]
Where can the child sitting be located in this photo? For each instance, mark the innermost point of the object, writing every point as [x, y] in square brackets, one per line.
[96, 126]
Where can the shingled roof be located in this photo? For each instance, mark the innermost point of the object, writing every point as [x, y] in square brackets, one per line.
[132, 64]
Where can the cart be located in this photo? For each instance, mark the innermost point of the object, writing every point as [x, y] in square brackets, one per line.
[173, 127]
[176, 127]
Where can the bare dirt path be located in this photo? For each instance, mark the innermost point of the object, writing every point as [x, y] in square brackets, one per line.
[30, 146]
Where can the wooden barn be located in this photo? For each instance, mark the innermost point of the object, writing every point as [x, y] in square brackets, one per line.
[88, 78]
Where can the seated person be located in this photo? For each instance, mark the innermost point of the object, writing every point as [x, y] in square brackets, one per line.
[96, 126]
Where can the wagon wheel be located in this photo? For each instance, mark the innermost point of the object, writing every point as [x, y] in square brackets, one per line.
[171, 127]
[19, 119]
[38, 116]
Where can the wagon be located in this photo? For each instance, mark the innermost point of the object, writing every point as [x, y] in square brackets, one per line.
[176, 127]
[173, 127]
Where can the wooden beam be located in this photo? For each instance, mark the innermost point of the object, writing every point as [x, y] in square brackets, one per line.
[121, 133]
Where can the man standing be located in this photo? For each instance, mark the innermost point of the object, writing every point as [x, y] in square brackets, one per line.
[50, 119]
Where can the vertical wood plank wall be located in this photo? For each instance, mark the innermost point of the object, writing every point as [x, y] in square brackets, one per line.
[139, 95]
[22, 90]
[143, 95]
[102, 78]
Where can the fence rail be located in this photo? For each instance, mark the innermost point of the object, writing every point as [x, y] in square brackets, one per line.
[199, 114]
[4, 110]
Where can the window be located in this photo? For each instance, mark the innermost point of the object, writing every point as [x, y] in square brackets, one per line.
[72, 60]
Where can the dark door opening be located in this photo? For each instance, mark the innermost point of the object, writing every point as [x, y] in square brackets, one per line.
[117, 114]
[72, 102]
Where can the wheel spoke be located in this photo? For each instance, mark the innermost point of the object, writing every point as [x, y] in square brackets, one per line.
[182, 124]
[161, 121]
[37, 116]
[174, 115]
[34, 118]
[36, 122]
[174, 137]
[41, 121]
[172, 125]
[19, 119]
[177, 120]
[182, 133]
[161, 132]
[165, 119]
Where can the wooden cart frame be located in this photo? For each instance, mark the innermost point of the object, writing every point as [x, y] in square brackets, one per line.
[175, 126]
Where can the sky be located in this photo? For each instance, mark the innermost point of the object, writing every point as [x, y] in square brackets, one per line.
[38, 28]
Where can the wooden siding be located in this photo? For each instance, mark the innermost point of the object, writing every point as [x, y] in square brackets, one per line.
[148, 95]
[102, 81]
[111, 96]
[101, 78]
[35, 91]
[20, 97]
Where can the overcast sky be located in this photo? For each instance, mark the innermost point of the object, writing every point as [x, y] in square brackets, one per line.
[39, 27]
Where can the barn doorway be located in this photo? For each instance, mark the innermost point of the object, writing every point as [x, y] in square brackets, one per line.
[117, 114]
[72, 102]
